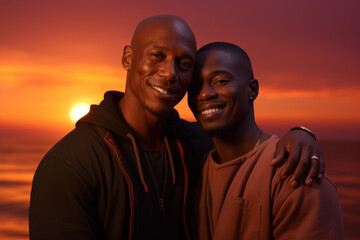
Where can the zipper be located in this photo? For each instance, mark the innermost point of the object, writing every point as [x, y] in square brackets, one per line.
[110, 142]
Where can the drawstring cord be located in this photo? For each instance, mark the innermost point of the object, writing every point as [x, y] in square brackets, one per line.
[171, 160]
[139, 165]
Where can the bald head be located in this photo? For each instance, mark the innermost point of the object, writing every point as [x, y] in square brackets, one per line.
[153, 27]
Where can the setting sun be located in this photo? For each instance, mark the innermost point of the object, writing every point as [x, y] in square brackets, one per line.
[79, 110]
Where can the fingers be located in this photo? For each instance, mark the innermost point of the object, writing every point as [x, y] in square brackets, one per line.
[310, 164]
[301, 168]
[292, 162]
[297, 150]
[279, 157]
[316, 168]
[313, 172]
[321, 162]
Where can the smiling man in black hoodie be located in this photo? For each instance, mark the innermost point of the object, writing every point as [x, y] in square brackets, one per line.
[127, 170]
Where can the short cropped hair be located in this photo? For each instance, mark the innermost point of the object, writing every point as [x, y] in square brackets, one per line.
[242, 56]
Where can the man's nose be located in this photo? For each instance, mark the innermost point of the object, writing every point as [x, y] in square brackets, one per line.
[206, 92]
[169, 70]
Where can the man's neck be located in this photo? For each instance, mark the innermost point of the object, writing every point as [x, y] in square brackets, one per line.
[149, 129]
[237, 142]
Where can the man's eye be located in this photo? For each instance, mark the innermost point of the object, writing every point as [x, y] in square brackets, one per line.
[185, 65]
[222, 81]
[158, 55]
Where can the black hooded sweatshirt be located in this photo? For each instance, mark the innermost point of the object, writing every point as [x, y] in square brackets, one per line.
[95, 184]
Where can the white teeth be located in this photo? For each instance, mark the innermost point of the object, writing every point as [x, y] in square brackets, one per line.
[210, 110]
[161, 90]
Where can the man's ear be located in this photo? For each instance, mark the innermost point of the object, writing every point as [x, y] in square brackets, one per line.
[127, 57]
[253, 87]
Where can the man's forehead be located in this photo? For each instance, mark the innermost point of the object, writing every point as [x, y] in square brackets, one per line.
[167, 44]
[212, 63]
[165, 29]
[171, 37]
[215, 59]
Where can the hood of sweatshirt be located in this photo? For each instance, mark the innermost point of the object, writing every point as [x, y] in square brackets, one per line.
[108, 115]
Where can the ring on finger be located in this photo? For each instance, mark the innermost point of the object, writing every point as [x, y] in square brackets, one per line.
[314, 157]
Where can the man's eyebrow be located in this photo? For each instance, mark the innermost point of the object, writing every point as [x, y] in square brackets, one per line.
[160, 47]
[219, 72]
[186, 55]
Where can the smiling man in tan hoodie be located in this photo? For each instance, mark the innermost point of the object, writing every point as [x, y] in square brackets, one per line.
[241, 196]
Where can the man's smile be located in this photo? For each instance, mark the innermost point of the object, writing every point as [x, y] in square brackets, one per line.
[163, 91]
[211, 109]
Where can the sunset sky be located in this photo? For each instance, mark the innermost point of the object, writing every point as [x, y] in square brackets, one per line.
[305, 54]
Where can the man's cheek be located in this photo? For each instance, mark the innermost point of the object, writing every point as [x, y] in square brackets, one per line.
[187, 83]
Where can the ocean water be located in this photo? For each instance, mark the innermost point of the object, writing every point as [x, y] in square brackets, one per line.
[342, 164]
[19, 158]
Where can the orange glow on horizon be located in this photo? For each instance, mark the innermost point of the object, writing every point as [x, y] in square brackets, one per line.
[45, 93]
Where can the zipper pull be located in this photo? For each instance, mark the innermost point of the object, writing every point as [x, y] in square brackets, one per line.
[161, 201]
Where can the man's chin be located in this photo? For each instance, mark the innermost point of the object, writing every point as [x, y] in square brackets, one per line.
[214, 131]
[160, 111]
